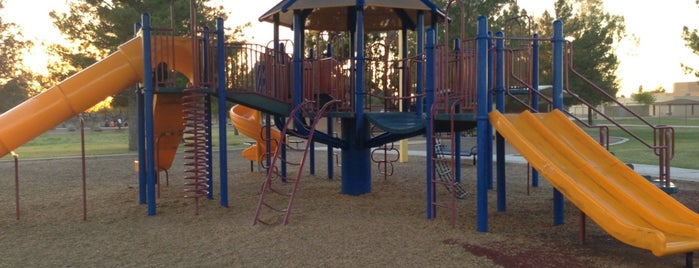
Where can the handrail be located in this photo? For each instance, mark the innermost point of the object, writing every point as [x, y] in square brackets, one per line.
[663, 144]
[603, 130]
[663, 136]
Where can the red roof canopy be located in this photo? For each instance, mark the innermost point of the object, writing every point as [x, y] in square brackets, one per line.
[336, 15]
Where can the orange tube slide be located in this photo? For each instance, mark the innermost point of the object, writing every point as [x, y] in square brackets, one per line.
[119, 71]
[247, 121]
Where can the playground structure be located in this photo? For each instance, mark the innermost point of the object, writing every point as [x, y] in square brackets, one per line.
[436, 95]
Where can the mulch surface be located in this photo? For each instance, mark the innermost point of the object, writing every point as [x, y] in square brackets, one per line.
[385, 228]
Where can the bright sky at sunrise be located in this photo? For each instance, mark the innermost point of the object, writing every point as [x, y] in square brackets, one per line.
[654, 62]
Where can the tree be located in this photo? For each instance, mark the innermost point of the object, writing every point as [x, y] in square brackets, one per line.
[13, 93]
[96, 28]
[14, 79]
[643, 97]
[593, 34]
[691, 41]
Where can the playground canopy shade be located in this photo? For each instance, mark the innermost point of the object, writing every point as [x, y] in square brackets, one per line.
[379, 15]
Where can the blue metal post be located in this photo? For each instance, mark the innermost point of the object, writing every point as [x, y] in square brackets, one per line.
[419, 109]
[558, 42]
[279, 50]
[312, 146]
[330, 150]
[141, 140]
[482, 125]
[429, 90]
[298, 58]
[331, 155]
[405, 91]
[356, 163]
[359, 71]
[222, 115]
[148, 114]
[535, 97]
[500, 105]
[489, 128]
[457, 135]
[312, 154]
[140, 127]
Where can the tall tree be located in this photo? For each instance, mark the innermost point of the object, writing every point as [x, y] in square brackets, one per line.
[96, 28]
[593, 34]
[691, 41]
[463, 23]
[14, 79]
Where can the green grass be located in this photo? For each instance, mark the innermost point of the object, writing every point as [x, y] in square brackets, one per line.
[65, 143]
[634, 151]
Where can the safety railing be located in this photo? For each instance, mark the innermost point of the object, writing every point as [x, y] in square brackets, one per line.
[518, 82]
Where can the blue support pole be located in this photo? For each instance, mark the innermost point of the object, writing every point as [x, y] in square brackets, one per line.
[484, 139]
[298, 58]
[356, 157]
[489, 128]
[283, 156]
[312, 146]
[500, 105]
[419, 109]
[141, 140]
[404, 66]
[279, 50]
[330, 150]
[222, 114]
[331, 155]
[558, 42]
[148, 114]
[359, 71]
[312, 155]
[429, 90]
[140, 126]
[535, 97]
[457, 135]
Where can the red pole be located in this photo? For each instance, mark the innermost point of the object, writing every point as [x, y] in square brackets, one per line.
[82, 145]
[582, 228]
[16, 157]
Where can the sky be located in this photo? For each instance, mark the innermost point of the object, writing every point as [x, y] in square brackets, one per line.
[654, 62]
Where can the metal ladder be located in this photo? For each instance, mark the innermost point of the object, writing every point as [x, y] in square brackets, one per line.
[278, 192]
[443, 164]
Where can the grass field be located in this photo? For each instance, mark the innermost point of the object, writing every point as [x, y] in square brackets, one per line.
[62, 142]
[634, 151]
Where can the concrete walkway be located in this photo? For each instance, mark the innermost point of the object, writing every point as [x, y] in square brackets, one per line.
[417, 148]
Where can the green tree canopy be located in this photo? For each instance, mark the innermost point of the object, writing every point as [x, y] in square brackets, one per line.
[592, 31]
[14, 78]
[691, 41]
[95, 28]
[593, 34]
[643, 97]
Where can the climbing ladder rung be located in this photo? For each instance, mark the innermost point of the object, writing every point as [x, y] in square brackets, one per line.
[442, 173]
[293, 183]
[274, 208]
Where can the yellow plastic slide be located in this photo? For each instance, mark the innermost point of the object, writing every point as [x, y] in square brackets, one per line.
[120, 70]
[618, 199]
[248, 122]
